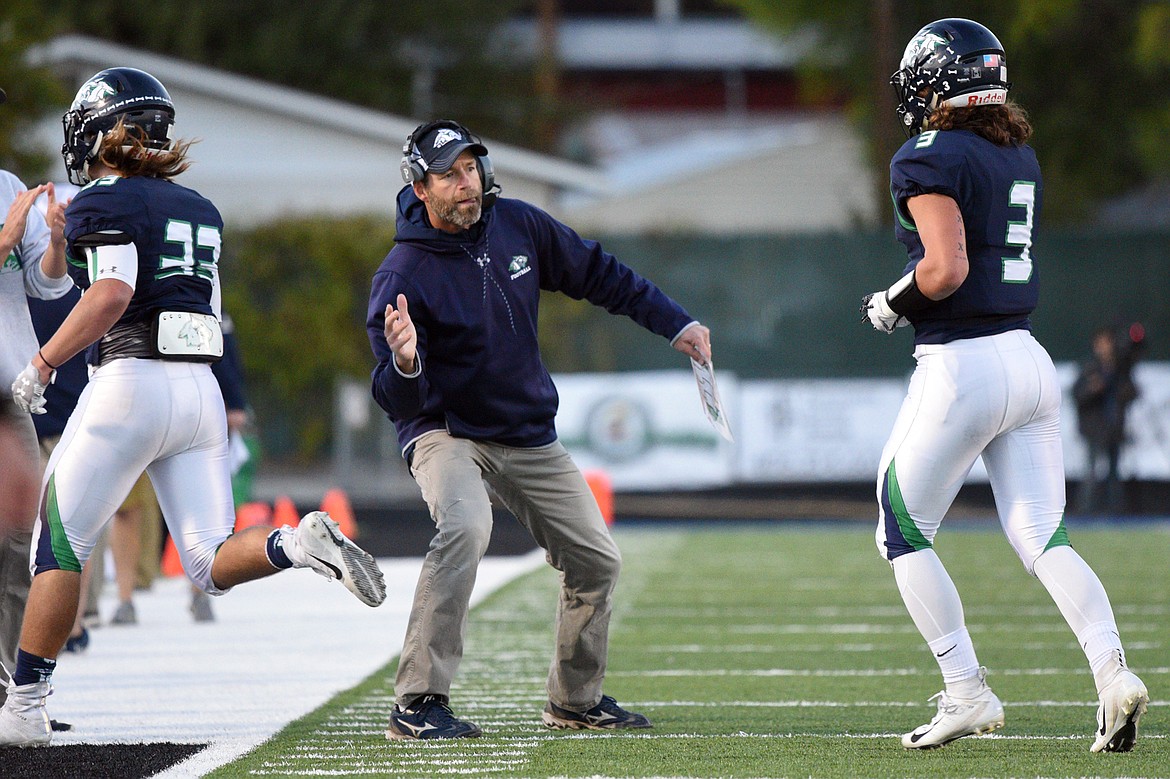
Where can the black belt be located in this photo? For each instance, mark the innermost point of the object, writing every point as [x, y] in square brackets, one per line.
[126, 340]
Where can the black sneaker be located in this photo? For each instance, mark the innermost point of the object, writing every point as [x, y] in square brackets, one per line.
[606, 715]
[429, 717]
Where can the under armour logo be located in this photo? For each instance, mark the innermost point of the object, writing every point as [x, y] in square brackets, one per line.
[483, 260]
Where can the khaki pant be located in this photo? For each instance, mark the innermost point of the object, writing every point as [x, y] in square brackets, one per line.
[550, 497]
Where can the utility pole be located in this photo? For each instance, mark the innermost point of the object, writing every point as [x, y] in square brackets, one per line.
[886, 139]
[547, 73]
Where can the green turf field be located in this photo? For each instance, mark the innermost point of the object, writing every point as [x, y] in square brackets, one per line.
[774, 651]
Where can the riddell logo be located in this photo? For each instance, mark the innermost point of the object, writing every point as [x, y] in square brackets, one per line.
[993, 98]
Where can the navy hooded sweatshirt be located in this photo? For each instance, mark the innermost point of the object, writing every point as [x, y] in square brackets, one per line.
[473, 298]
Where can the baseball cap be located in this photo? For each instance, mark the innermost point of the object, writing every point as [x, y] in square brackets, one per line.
[442, 145]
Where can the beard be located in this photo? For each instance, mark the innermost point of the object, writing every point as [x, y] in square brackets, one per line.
[452, 211]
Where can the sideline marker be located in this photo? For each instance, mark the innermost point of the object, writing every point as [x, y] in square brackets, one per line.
[170, 565]
[602, 487]
[336, 505]
[253, 513]
[284, 512]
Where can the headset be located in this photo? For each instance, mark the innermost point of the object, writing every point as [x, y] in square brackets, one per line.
[413, 170]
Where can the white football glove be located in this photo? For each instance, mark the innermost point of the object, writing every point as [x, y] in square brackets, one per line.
[27, 391]
[875, 307]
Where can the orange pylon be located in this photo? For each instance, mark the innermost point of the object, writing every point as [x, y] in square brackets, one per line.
[602, 487]
[254, 513]
[336, 505]
[170, 565]
[284, 512]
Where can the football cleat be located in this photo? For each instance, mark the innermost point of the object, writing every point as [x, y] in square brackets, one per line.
[958, 717]
[1123, 702]
[319, 544]
[125, 614]
[24, 720]
[200, 607]
[429, 717]
[606, 715]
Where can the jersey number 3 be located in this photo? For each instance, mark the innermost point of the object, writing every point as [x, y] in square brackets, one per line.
[1018, 270]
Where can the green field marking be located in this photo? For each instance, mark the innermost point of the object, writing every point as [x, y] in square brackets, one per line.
[773, 651]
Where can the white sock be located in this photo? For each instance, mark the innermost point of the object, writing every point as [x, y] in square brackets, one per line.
[1083, 602]
[955, 655]
[1102, 646]
[933, 602]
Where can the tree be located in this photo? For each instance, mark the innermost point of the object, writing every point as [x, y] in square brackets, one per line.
[433, 59]
[32, 91]
[1094, 76]
[297, 290]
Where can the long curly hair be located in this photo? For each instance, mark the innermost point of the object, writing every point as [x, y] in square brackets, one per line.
[1003, 125]
[123, 150]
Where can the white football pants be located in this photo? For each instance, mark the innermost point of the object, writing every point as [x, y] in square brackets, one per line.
[998, 397]
[166, 418]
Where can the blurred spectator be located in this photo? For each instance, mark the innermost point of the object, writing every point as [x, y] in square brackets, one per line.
[1103, 392]
[19, 470]
[243, 446]
[32, 263]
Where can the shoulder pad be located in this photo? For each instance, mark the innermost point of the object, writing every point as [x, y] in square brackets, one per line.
[102, 238]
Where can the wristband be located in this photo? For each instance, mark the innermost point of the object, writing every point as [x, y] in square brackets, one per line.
[52, 367]
[904, 296]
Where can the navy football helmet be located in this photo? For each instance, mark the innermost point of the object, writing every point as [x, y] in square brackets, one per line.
[954, 61]
[129, 94]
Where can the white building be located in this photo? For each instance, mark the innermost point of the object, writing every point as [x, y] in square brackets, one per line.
[267, 151]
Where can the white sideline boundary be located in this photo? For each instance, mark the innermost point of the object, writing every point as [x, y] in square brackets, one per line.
[279, 648]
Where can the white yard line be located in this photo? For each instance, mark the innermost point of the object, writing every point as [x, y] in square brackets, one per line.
[279, 648]
[850, 672]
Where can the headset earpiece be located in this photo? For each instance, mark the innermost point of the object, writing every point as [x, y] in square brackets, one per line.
[487, 177]
[410, 168]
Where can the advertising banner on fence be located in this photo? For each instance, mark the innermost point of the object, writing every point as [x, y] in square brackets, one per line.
[647, 430]
[826, 430]
[651, 430]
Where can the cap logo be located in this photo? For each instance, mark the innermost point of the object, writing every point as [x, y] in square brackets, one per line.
[445, 136]
[94, 91]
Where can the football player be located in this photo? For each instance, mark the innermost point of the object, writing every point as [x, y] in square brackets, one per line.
[967, 192]
[145, 251]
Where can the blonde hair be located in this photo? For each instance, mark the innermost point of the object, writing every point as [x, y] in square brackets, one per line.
[123, 150]
[1003, 125]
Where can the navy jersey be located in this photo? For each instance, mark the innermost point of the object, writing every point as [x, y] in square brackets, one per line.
[998, 190]
[176, 231]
